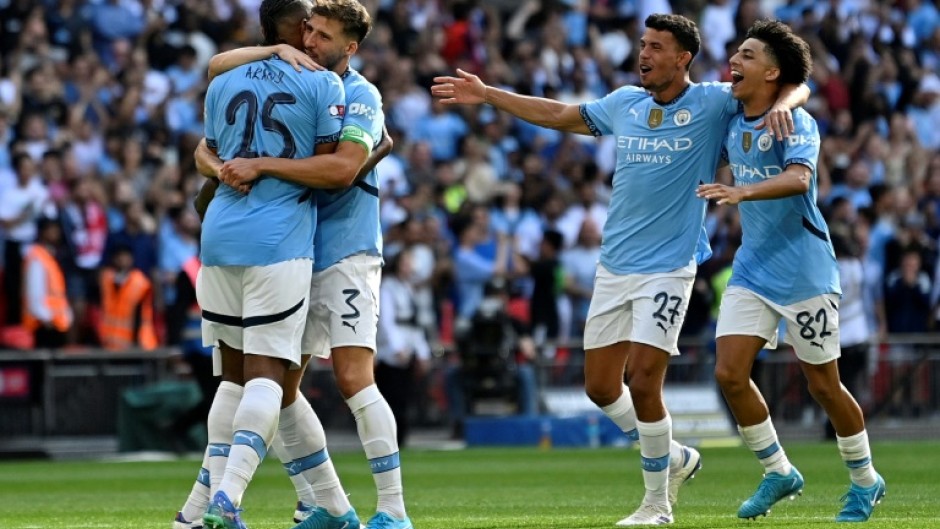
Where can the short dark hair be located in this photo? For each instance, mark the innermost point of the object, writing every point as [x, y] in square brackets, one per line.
[788, 51]
[19, 158]
[554, 239]
[351, 14]
[684, 30]
[271, 12]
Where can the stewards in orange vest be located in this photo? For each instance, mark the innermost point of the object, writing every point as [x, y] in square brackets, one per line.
[126, 305]
[46, 311]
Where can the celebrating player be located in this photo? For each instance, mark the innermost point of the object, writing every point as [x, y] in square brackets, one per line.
[344, 292]
[256, 247]
[785, 268]
[669, 135]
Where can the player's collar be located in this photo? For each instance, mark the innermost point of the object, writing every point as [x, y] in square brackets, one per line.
[757, 117]
[347, 73]
[673, 100]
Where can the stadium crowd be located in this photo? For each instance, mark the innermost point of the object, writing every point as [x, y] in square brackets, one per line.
[101, 109]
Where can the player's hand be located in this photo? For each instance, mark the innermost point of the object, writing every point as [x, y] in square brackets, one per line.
[779, 119]
[239, 172]
[467, 89]
[721, 193]
[296, 58]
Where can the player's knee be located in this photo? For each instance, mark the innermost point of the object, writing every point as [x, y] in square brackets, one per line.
[601, 394]
[731, 379]
[823, 391]
[350, 381]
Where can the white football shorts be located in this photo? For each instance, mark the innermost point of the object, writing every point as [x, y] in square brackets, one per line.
[258, 309]
[344, 306]
[642, 308]
[812, 324]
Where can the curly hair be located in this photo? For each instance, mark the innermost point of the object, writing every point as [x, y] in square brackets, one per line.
[684, 30]
[272, 12]
[351, 14]
[790, 53]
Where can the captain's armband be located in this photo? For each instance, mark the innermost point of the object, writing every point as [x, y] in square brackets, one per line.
[357, 134]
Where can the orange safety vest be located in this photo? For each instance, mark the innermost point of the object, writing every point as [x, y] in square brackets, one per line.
[56, 300]
[118, 308]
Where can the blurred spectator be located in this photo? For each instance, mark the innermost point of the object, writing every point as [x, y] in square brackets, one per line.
[85, 229]
[509, 217]
[402, 352]
[495, 359]
[178, 240]
[442, 129]
[471, 270]
[580, 267]
[414, 239]
[137, 233]
[907, 295]
[854, 330]
[475, 171]
[586, 207]
[21, 206]
[548, 279]
[46, 314]
[126, 305]
[909, 237]
[185, 75]
[855, 186]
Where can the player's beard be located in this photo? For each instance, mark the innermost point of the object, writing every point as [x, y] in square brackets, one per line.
[329, 61]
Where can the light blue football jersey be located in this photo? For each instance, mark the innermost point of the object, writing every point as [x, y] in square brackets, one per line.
[348, 219]
[785, 255]
[266, 108]
[655, 221]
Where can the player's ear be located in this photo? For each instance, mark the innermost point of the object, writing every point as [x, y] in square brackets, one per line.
[684, 59]
[352, 48]
[772, 75]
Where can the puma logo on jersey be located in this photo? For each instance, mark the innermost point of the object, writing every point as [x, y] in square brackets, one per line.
[351, 326]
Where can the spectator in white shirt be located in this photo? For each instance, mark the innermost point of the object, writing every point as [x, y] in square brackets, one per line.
[402, 349]
[20, 208]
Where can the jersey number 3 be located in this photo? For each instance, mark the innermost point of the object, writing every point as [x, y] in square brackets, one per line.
[267, 122]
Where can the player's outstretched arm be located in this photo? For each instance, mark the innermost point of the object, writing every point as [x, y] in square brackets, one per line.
[468, 89]
[779, 119]
[794, 180]
[225, 61]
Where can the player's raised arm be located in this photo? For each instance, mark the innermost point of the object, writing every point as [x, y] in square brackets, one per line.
[780, 116]
[468, 89]
[225, 61]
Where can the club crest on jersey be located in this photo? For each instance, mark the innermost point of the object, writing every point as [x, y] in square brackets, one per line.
[746, 141]
[655, 118]
[765, 142]
[682, 117]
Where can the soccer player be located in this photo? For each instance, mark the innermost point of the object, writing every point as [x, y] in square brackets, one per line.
[256, 248]
[669, 135]
[785, 268]
[343, 314]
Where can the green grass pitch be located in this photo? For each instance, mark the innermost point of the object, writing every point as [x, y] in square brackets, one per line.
[482, 489]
